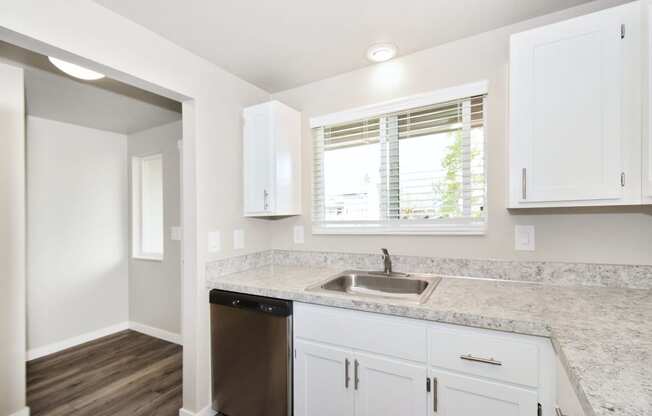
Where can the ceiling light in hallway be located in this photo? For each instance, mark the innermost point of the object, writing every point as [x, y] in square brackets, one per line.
[76, 70]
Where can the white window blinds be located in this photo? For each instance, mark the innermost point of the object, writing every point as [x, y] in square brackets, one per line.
[413, 171]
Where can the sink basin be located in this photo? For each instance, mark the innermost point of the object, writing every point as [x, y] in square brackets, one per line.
[400, 286]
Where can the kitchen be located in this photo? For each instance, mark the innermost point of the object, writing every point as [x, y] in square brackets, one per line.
[538, 274]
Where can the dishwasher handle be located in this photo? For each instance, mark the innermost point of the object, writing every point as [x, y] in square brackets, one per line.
[262, 304]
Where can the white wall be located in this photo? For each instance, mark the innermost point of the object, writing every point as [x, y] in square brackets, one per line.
[213, 101]
[613, 235]
[155, 286]
[12, 241]
[77, 247]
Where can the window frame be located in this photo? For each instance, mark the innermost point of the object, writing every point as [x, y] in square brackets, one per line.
[136, 208]
[453, 226]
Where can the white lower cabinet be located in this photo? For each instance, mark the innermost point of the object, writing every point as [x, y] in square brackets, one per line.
[567, 402]
[350, 363]
[322, 381]
[389, 387]
[459, 395]
[332, 381]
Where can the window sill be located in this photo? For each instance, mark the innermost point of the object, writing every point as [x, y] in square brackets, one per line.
[366, 229]
[148, 258]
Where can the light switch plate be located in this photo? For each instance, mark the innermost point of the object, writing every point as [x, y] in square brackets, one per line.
[299, 237]
[238, 239]
[214, 241]
[176, 233]
[524, 237]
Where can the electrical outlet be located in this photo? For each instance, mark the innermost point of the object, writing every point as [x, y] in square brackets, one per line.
[214, 241]
[524, 237]
[238, 239]
[299, 234]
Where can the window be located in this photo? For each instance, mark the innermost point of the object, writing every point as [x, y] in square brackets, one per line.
[418, 168]
[147, 207]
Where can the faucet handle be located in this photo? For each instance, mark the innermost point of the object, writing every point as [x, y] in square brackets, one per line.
[385, 252]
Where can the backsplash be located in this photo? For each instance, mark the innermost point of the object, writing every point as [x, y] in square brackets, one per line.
[553, 273]
[239, 263]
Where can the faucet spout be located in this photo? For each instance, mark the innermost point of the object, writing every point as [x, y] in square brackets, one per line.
[387, 262]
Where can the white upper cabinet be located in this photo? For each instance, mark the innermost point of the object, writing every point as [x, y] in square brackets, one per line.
[272, 160]
[575, 111]
[647, 148]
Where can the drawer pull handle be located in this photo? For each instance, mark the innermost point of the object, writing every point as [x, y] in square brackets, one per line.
[346, 373]
[469, 357]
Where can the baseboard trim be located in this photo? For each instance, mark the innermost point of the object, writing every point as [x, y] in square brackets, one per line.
[206, 411]
[74, 341]
[156, 332]
[22, 412]
[55, 347]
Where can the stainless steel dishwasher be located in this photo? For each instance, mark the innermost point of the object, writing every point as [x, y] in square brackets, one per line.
[251, 349]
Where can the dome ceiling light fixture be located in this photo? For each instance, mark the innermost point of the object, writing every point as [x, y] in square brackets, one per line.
[381, 52]
[75, 70]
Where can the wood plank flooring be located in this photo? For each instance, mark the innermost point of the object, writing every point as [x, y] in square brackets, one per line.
[125, 374]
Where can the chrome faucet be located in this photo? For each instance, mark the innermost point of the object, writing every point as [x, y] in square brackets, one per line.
[387, 262]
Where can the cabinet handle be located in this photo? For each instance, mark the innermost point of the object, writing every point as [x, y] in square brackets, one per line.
[346, 373]
[469, 357]
[434, 394]
[265, 199]
[356, 380]
[524, 183]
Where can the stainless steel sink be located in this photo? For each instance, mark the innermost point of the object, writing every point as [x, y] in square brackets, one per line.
[400, 286]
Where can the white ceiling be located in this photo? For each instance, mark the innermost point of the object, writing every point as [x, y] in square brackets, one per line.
[280, 44]
[105, 104]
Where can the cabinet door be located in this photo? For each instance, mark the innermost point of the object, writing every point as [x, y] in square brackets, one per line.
[457, 395]
[258, 166]
[386, 387]
[566, 88]
[567, 401]
[323, 384]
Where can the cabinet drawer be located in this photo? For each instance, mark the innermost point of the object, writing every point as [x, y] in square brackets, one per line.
[381, 334]
[492, 356]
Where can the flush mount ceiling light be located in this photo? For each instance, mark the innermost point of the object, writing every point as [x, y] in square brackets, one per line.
[381, 52]
[76, 70]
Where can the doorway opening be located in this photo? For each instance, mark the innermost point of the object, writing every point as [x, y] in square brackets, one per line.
[104, 243]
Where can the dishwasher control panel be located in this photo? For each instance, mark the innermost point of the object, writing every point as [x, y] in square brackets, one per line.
[272, 306]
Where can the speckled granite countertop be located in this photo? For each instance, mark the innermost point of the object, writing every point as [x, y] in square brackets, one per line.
[587, 325]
